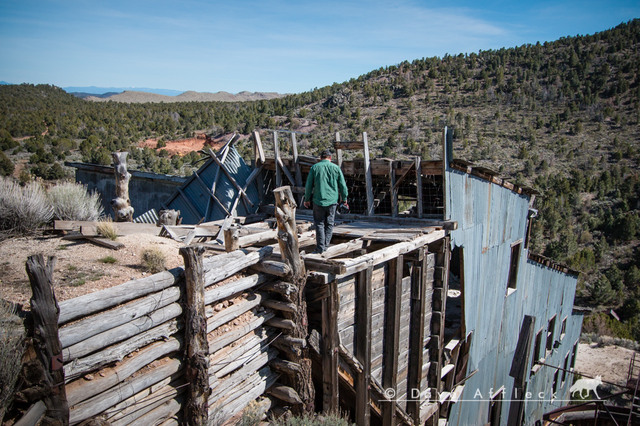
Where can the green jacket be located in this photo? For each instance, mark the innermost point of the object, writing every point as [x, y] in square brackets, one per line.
[325, 184]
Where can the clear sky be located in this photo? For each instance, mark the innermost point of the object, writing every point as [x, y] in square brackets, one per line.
[267, 45]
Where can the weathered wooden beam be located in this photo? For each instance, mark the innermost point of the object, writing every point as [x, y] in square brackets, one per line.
[234, 311]
[285, 213]
[276, 155]
[93, 302]
[393, 190]
[258, 150]
[330, 342]
[367, 175]
[197, 348]
[286, 394]
[285, 367]
[273, 267]
[44, 310]
[338, 149]
[81, 389]
[419, 205]
[285, 324]
[280, 306]
[222, 292]
[363, 346]
[416, 337]
[392, 336]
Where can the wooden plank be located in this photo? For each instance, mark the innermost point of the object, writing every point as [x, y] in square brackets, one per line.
[346, 145]
[276, 153]
[419, 187]
[416, 339]
[363, 347]
[105, 242]
[338, 149]
[393, 190]
[258, 149]
[392, 336]
[330, 340]
[121, 228]
[298, 172]
[367, 175]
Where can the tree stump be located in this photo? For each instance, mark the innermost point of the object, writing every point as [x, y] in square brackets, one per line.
[121, 205]
[301, 380]
[45, 312]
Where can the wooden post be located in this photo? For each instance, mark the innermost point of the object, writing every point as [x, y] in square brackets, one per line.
[392, 337]
[276, 154]
[393, 191]
[363, 346]
[416, 337]
[330, 341]
[367, 175]
[285, 213]
[196, 404]
[258, 150]
[298, 172]
[419, 186]
[338, 150]
[121, 205]
[46, 342]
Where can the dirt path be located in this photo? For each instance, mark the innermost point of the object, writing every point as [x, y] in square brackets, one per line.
[609, 362]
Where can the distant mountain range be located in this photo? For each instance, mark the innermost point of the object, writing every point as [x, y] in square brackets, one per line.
[130, 96]
[95, 90]
[145, 94]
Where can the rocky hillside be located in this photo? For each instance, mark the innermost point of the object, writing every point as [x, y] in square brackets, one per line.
[562, 117]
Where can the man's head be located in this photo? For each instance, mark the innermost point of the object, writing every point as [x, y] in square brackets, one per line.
[325, 154]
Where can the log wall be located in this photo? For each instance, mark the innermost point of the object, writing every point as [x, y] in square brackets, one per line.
[124, 351]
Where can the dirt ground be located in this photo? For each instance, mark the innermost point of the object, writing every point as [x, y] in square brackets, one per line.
[609, 362]
[81, 267]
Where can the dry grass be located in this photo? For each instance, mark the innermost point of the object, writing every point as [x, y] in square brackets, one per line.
[22, 208]
[71, 201]
[107, 229]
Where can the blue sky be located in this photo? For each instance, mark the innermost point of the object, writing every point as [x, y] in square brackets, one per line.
[267, 45]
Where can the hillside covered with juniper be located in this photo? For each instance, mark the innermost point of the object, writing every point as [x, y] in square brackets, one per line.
[562, 117]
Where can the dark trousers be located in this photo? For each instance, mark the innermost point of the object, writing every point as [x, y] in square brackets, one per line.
[323, 218]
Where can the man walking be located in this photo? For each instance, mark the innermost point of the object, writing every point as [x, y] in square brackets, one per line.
[325, 187]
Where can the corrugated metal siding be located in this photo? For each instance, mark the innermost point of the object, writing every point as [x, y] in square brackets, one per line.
[490, 219]
[194, 201]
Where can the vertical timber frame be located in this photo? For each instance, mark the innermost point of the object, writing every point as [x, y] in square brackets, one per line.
[196, 406]
[416, 337]
[276, 153]
[392, 337]
[290, 252]
[367, 174]
[363, 346]
[419, 200]
[330, 341]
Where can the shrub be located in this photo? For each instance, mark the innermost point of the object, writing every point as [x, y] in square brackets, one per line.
[22, 208]
[108, 259]
[11, 349]
[153, 260]
[6, 165]
[107, 230]
[71, 201]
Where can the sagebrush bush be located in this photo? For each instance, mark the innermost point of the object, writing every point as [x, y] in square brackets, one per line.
[11, 349]
[22, 208]
[153, 260]
[72, 201]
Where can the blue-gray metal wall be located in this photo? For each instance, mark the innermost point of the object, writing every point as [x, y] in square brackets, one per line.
[490, 219]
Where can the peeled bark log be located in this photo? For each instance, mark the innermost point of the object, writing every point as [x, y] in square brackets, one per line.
[121, 205]
[290, 253]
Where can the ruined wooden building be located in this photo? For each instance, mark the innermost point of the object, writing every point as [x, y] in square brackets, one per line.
[427, 308]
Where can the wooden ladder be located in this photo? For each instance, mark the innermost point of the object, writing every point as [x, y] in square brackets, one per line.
[633, 380]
